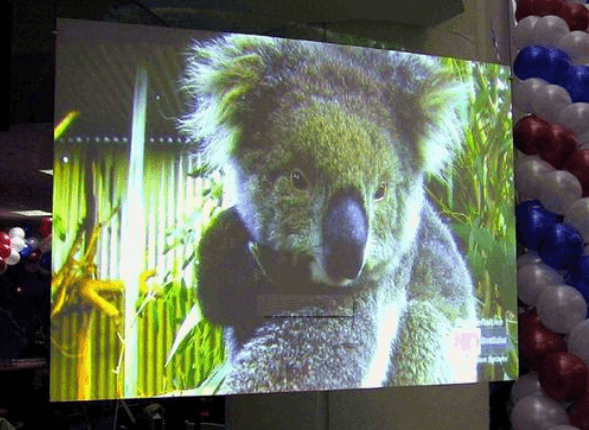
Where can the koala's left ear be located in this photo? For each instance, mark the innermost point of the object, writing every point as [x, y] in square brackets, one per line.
[438, 114]
[444, 105]
[220, 76]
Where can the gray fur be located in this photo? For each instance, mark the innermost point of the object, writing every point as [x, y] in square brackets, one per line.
[264, 114]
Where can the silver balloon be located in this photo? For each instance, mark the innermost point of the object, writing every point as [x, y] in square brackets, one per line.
[561, 307]
[549, 30]
[527, 259]
[564, 427]
[538, 413]
[559, 189]
[577, 215]
[549, 101]
[31, 266]
[45, 245]
[533, 279]
[576, 44]
[528, 173]
[578, 341]
[523, 34]
[34, 242]
[524, 90]
[576, 117]
[526, 385]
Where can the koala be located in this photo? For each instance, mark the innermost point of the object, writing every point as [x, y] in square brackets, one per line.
[326, 149]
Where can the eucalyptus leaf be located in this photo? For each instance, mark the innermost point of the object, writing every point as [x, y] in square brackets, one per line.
[185, 331]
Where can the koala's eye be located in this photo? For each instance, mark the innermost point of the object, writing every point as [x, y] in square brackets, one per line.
[380, 192]
[299, 180]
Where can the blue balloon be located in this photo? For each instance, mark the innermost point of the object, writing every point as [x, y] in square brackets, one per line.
[560, 245]
[45, 261]
[577, 276]
[531, 62]
[559, 67]
[531, 220]
[578, 84]
[26, 251]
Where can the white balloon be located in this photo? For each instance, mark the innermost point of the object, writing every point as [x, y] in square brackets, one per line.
[524, 90]
[16, 232]
[17, 243]
[533, 279]
[528, 258]
[576, 44]
[559, 189]
[549, 30]
[578, 341]
[561, 307]
[538, 413]
[523, 34]
[528, 174]
[577, 215]
[549, 101]
[13, 258]
[576, 117]
[526, 385]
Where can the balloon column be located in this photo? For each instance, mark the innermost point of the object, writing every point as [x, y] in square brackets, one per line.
[551, 101]
[16, 246]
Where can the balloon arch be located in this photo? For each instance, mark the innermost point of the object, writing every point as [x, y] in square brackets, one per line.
[551, 101]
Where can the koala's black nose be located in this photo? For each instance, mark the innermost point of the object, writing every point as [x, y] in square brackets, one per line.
[345, 230]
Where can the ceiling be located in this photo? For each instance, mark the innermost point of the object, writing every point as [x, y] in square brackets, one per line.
[26, 143]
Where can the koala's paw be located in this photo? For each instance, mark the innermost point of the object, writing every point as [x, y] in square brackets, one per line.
[428, 352]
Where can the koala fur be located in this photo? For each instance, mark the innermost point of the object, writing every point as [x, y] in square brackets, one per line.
[326, 149]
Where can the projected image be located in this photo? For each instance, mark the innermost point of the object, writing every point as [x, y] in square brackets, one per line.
[244, 214]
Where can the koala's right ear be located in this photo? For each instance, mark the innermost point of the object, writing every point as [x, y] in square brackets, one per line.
[220, 78]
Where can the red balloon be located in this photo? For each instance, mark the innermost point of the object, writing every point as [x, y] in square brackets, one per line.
[35, 256]
[560, 145]
[5, 250]
[524, 9]
[527, 322]
[529, 132]
[4, 237]
[580, 413]
[537, 342]
[576, 16]
[45, 227]
[578, 165]
[563, 376]
[548, 7]
[538, 7]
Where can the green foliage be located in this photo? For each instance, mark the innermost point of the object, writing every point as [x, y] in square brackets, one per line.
[193, 335]
[58, 227]
[478, 197]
